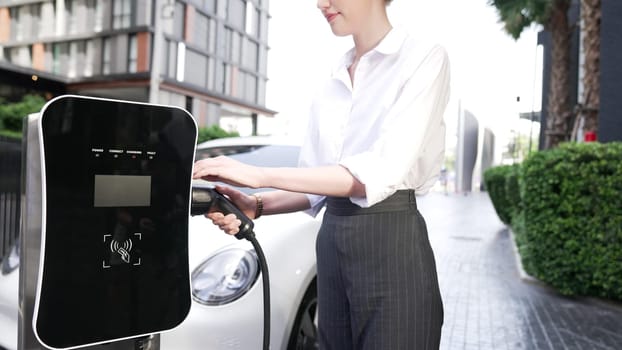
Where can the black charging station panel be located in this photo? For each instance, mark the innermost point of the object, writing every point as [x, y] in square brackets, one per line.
[116, 198]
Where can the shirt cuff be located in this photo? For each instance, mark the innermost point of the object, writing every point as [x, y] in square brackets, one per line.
[317, 202]
[374, 192]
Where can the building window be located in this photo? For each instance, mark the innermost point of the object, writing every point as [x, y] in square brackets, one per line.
[35, 14]
[16, 28]
[106, 56]
[211, 76]
[60, 58]
[189, 104]
[222, 44]
[132, 55]
[20, 56]
[196, 68]
[252, 19]
[210, 6]
[212, 36]
[250, 93]
[98, 26]
[236, 47]
[251, 49]
[261, 91]
[89, 58]
[70, 13]
[257, 22]
[181, 61]
[236, 13]
[200, 31]
[179, 21]
[226, 75]
[170, 63]
[121, 14]
[73, 59]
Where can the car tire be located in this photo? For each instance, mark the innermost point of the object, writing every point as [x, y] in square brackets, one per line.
[304, 334]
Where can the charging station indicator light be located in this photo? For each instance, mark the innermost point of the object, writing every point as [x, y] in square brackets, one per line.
[97, 152]
[133, 153]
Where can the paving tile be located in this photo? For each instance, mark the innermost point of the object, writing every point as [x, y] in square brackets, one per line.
[487, 304]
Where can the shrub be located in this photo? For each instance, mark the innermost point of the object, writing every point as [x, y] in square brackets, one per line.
[214, 132]
[572, 201]
[12, 114]
[512, 192]
[494, 180]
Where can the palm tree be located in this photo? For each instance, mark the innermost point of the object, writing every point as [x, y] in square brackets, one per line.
[553, 15]
[591, 14]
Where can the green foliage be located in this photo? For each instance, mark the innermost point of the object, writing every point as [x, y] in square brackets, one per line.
[12, 114]
[512, 192]
[214, 132]
[517, 15]
[572, 234]
[494, 180]
[11, 134]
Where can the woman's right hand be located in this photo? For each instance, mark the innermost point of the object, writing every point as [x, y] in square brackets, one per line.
[230, 223]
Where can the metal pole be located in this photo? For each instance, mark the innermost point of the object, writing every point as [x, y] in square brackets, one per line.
[30, 233]
[156, 53]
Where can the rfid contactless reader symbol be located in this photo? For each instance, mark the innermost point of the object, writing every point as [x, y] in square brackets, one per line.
[123, 250]
[120, 252]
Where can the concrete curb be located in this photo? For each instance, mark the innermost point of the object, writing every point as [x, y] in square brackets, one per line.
[519, 264]
[524, 276]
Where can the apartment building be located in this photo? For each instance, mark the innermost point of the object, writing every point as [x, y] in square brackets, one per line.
[208, 56]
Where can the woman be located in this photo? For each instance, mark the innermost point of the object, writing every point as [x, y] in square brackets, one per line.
[375, 139]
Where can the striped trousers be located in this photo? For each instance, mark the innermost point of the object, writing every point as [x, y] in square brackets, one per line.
[377, 280]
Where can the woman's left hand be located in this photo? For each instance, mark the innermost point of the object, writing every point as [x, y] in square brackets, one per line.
[227, 170]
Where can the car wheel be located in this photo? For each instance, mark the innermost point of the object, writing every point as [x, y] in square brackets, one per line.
[304, 333]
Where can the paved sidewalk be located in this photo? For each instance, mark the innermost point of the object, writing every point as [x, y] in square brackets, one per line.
[487, 304]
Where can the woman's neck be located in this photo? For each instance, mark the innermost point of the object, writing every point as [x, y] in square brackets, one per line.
[371, 34]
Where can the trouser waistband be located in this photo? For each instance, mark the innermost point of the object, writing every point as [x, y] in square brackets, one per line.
[401, 200]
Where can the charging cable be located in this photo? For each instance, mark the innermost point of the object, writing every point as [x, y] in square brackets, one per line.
[205, 199]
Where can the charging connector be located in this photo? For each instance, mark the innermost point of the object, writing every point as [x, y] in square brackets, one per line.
[206, 199]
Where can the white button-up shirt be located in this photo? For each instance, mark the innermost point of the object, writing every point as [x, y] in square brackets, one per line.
[387, 128]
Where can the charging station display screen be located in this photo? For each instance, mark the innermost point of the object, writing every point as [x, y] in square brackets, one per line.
[122, 191]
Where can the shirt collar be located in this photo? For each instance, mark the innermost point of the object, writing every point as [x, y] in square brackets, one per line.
[390, 44]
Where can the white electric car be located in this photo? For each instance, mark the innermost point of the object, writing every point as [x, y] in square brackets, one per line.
[227, 308]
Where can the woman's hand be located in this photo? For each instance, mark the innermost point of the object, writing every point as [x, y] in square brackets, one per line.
[227, 170]
[230, 223]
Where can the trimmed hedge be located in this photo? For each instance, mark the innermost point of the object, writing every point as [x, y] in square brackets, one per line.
[572, 201]
[212, 132]
[512, 192]
[494, 180]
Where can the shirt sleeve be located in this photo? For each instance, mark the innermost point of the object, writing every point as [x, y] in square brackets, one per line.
[309, 158]
[415, 117]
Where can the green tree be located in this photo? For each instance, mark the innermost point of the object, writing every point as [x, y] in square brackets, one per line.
[516, 15]
[12, 114]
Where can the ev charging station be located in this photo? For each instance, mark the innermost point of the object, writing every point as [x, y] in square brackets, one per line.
[104, 260]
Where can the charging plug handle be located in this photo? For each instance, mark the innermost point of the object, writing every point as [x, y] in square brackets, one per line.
[205, 199]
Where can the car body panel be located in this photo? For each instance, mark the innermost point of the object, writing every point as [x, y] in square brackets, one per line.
[9, 300]
[239, 324]
[288, 242]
